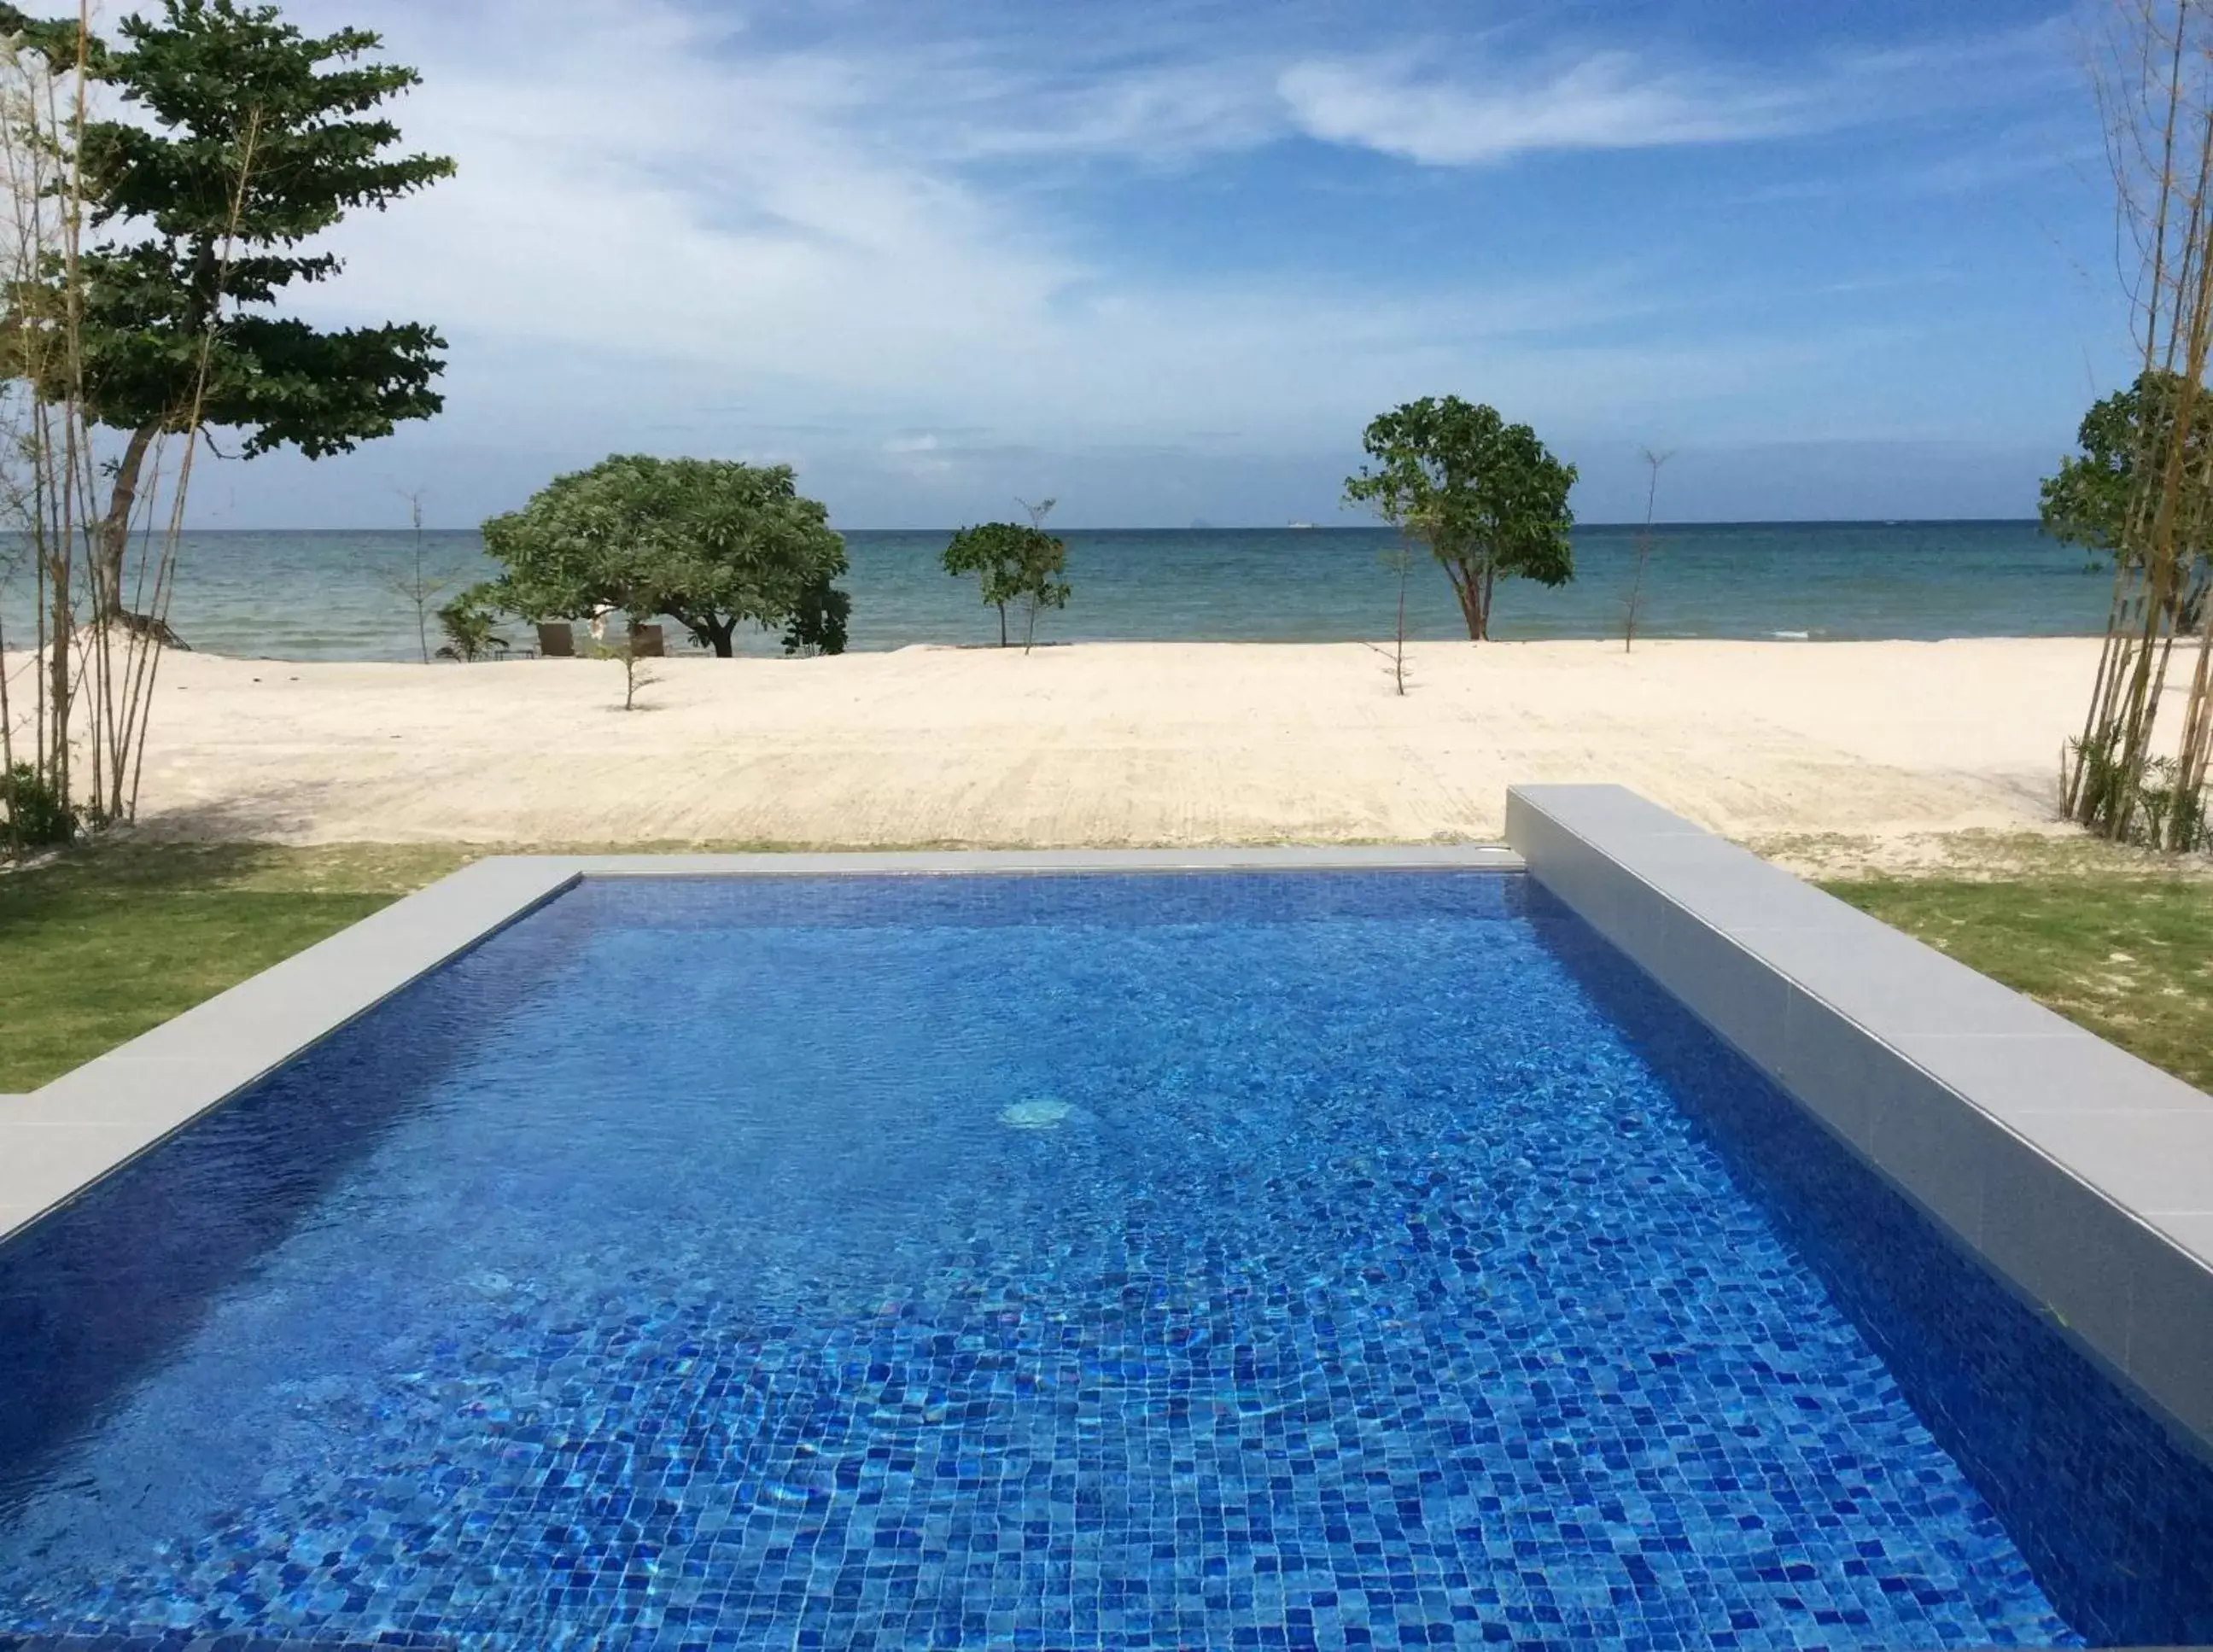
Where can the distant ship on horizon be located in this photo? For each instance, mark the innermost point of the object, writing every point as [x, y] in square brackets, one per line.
[1298, 524]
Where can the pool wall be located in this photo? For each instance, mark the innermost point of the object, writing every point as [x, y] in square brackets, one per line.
[2079, 1175]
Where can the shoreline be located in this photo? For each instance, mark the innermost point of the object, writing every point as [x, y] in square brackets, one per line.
[1101, 744]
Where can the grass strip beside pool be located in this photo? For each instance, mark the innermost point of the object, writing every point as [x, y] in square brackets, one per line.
[2130, 958]
[106, 943]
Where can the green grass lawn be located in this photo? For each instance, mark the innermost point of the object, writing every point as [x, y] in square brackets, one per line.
[2130, 957]
[107, 942]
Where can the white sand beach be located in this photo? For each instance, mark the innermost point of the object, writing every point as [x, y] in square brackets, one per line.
[1113, 744]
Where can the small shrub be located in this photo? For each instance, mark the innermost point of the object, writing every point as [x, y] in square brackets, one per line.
[2160, 812]
[35, 815]
[818, 623]
[2167, 812]
[635, 675]
[468, 621]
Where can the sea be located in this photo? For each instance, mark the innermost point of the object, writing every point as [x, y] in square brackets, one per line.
[345, 594]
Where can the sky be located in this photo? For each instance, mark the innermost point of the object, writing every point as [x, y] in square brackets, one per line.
[1841, 258]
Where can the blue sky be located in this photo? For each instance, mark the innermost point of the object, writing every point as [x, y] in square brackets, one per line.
[1164, 261]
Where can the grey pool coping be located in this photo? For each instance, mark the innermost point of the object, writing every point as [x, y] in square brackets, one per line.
[2078, 1173]
[62, 1139]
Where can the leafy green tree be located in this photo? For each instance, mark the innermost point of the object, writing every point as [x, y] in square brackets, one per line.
[2089, 500]
[245, 138]
[711, 543]
[1013, 562]
[1487, 498]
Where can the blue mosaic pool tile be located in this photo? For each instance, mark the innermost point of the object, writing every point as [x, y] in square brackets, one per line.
[2112, 1508]
[1323, 1260]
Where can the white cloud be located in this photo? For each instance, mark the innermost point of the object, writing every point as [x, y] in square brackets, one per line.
[1442, 109]
[1606, 101]
[920, 456]
[979, 111]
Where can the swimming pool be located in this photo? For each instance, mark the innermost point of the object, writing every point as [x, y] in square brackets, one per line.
[1323, 1259]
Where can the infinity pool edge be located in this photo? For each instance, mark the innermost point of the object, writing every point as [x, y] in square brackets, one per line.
[60, 1140]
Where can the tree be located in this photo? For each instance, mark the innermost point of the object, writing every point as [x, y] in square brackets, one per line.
[250, 138]
[711, 543]
[2088, 501]
[1632, 606]
[1049, 591]
[146, 254]
[1487, 497]
[1398, 558]
[1013, 562]
[413, 582]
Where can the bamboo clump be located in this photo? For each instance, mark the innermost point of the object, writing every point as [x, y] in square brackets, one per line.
[2154, 77]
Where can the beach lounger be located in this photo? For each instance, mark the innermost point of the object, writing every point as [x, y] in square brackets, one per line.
[557, 640]
[646, 643]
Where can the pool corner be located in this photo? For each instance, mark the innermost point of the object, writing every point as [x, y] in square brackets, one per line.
[2079, 1175]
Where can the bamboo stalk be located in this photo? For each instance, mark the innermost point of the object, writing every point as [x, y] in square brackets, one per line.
[96, 673]
[2152, 88]
[151, 640]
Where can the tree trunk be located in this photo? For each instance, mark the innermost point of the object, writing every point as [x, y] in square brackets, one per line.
[717, 634]
[115, 528]
[1470, 595]
[1398, 649]
[1482, 618]
[1002, 624]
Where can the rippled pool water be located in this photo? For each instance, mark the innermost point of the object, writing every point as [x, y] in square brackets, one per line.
[1238, 1260]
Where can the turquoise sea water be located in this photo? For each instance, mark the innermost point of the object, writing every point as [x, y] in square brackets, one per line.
[328, 594]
